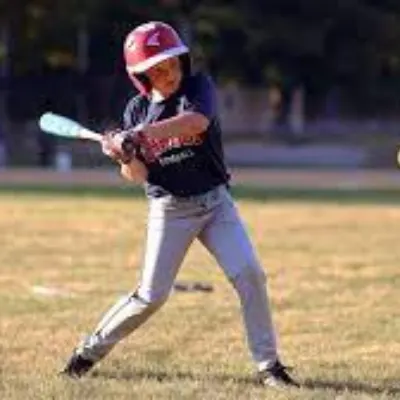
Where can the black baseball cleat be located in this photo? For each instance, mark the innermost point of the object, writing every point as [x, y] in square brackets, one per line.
[277, 377]
[77, 366]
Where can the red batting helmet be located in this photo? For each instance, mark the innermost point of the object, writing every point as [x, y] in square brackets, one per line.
[148, 45]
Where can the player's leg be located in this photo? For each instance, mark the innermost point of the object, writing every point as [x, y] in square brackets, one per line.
[226, 238]
[168, 238]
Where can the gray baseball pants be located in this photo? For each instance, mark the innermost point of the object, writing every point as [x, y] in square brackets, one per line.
[173, 224]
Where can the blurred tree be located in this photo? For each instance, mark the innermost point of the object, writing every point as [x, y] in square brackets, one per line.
[353, 44]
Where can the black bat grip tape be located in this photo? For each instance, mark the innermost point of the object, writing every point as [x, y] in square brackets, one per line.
[128, 145]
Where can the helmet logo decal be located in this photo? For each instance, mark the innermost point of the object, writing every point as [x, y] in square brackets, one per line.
[154, 40]
[130, 44]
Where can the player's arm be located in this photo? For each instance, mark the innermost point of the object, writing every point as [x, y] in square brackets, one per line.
[131, 168]
[134, 171]
[189, 123]
[200, 107]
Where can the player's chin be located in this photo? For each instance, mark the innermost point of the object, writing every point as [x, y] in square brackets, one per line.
[171, 86]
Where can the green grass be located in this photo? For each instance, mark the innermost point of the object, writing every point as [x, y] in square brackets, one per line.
[253, 193]
[333, 265]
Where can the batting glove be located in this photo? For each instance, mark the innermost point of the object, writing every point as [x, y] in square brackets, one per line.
[118, 146]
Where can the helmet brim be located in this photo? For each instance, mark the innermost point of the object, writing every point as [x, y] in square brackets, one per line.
[152, 61]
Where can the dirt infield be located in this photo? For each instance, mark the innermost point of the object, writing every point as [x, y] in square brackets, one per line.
[260, 178]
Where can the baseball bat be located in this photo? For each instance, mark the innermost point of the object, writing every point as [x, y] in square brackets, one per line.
[62, 126]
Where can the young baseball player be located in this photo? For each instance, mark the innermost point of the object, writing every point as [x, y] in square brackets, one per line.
[172, 143]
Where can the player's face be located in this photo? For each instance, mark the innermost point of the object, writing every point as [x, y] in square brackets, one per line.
[166, 76]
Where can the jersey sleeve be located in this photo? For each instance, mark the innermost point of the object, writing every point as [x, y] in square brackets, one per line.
[130, 117]
[201, 96]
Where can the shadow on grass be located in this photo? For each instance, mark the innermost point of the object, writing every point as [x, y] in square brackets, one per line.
[335, 195]
[161, 376]
[391, 388]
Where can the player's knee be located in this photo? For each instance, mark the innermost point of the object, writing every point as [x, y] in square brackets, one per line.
[151, 299]
[249, 277]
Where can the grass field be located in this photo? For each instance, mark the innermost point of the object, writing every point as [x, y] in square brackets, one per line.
[333, 264]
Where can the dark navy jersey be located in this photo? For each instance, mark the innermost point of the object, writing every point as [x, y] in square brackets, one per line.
[184, 166]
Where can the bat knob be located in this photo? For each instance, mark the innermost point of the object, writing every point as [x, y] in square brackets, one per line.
[132, 141]
[128, 145]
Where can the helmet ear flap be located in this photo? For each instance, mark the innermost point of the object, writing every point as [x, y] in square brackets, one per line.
[142, 83]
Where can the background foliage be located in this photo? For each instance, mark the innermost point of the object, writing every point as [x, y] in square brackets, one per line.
[348, 44]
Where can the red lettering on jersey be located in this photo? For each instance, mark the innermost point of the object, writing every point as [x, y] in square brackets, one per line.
[152, 148]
